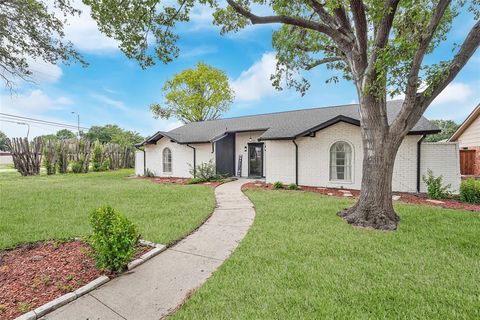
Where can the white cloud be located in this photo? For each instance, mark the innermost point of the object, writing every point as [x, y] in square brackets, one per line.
[43, 72]
[454, 92]
[197, 51]
[36, 101]
[83, 32]
[254, 83]
[109, 101]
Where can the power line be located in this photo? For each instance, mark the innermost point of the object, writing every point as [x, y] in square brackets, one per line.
[40, 121]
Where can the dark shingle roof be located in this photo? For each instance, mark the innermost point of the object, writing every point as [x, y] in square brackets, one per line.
[281, 125]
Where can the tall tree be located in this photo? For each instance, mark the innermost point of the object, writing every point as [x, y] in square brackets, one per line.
[30, 30]
[197, 94]
[379, 45]
[113, 133]
[447, 127]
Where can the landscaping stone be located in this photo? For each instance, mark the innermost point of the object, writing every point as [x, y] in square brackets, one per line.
[134, 263]
[27, 316]
[344, 191]
[348, 195]
[395, 198]
[330, 194]
[152, 253]
[37, 258]
[55, 304]
[91, 285]
[435, 201]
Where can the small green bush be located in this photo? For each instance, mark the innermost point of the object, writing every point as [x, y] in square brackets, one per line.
[149, 173]
[99, 161]
[470, 191]
[113, 240]
[77, 166]
[435, 187]
[277, 185]
[292, 186]
[205, 171]
[195, 181]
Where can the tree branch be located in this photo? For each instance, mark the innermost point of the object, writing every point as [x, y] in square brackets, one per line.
[295, 21]
[412, 110]
[322, 61]
[412, 84]
[361, 28]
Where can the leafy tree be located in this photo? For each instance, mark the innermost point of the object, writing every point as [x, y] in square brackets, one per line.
[378, 45]
[195, 95]
[3, 142]
[448, 128]
[113, 133]
[30, 31]
[65, 134]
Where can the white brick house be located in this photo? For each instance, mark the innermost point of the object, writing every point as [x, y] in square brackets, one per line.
[312, 147]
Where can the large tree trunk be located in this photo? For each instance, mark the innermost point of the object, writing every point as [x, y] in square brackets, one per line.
[374, 208]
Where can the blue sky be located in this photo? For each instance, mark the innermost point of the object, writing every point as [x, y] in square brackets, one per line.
[114, 89]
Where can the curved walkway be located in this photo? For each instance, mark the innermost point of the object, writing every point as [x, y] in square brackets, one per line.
[156, 288]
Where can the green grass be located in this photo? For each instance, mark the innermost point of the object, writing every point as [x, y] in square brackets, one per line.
[56, 207]
[300, 261]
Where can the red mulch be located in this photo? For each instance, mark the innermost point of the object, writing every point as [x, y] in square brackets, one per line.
[34, 274]
[174, 180]
[404, 197]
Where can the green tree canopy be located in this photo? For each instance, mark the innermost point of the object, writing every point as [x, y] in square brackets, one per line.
[3, 142]
[196, 94]
[65, 134]
[30, 30]
[448, 128]
[113, 133]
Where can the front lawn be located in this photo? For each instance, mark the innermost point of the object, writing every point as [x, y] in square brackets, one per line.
[55, 207]
[300, 261]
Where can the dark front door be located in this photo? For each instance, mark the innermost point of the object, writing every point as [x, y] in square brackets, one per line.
[255, 159]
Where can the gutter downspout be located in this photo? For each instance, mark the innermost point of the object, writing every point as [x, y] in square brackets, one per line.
[144, 160]
[419, 155]
[296, 161]
[194, 160]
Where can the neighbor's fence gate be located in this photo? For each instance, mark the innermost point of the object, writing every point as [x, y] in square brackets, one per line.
[467, 162]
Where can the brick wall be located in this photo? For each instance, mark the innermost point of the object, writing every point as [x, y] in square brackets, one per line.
[443, 158]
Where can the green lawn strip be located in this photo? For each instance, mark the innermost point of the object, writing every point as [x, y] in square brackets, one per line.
[300, 261]
[56, 207]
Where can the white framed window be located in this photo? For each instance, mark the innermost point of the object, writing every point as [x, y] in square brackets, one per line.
[341, 161]
[167, 160]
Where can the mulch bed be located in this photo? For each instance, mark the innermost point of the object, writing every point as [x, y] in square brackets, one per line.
[404, 197]
[34, 274]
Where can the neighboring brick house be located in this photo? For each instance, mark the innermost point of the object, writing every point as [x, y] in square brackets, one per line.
[312, 147]
[468, 138]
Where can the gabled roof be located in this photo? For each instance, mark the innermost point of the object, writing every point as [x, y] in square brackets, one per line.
[475, 113]
[281, 125]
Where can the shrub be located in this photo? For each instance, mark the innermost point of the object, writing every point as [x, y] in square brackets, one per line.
[195, 181]
[205, 171]
[77, 166]
[470, 191]
[277, 185]
[292, 186]
[149, 173]
[99, 161]
[435, 187]
[113, 240]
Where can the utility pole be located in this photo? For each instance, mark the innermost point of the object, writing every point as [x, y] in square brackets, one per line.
[28, 127]
[78, 124]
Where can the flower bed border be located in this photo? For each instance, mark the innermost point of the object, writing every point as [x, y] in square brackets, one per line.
[92, 285]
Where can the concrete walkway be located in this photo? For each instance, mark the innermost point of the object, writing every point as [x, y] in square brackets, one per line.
[154, 289]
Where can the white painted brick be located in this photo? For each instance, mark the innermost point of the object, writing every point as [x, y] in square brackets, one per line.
[443, 159]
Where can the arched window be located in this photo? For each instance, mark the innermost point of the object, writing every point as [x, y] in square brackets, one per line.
[167, 160]
[341, 161]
